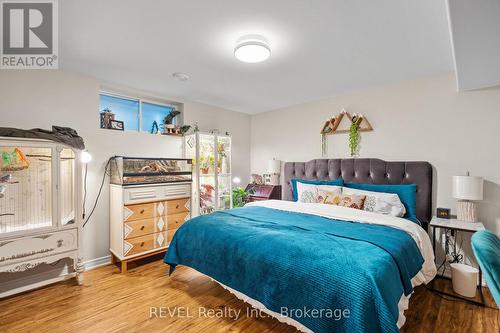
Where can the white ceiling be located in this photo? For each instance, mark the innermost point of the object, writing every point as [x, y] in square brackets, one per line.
[319, 47]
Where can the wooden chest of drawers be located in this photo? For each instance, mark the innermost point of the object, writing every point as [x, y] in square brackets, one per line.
[143, 219]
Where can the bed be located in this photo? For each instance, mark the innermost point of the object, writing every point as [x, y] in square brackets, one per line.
[320, 268]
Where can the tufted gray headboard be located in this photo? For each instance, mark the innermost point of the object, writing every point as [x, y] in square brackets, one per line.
[367, 171]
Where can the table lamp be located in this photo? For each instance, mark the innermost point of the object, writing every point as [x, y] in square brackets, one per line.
[467, 189]
[274, 170]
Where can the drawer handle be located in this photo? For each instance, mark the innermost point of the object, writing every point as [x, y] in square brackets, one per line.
[142, 228]
[142, 244]
[177, 207]
[142, 211]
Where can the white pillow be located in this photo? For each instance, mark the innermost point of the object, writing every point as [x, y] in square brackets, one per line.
[308, 192]
[378, 202]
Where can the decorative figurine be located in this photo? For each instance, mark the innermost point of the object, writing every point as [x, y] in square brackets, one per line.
[184, 129]
[154, 128]
[106, 117]
[14, 161]
[169, 119]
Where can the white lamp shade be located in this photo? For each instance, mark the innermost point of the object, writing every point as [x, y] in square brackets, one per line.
[274, 166]
[467, 188]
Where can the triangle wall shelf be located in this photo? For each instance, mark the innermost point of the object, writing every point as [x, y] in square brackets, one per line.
[331, 126]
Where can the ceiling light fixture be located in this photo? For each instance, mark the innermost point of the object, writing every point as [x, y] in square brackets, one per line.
[180, 76]
[252, 49]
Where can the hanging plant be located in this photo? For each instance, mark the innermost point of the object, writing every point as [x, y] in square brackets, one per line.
[354, 136]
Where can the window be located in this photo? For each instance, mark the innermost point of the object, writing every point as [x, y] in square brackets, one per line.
[152, 113]
[136, 114]
[126, 110]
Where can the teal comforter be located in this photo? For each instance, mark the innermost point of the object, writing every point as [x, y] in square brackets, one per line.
[307, 267]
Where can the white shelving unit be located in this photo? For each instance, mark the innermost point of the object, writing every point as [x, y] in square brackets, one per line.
[212, 185]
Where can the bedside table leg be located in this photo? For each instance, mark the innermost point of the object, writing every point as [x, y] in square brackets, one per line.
[434, 241]
[434, 250]
[481, 286]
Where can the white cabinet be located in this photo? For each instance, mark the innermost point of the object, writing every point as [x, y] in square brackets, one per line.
[212, 182]
[40, 206]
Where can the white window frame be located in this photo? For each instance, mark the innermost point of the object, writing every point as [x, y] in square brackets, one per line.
[140, 100]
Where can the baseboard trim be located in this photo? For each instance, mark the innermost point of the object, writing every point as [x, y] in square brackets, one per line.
[97, 262]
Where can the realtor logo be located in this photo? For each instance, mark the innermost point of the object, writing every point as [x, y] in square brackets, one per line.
[29, 34]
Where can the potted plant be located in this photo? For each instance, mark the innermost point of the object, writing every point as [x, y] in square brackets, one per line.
[223, 161]
[211, 163]
[204, 167]
[240, 197]
[354, 136]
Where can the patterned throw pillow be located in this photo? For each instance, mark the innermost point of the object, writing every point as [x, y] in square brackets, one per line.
[351, 201]
[307, 193]
[378, 202]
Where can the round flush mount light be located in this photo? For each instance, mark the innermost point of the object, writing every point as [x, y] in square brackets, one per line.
[180, 76]
[252, 49]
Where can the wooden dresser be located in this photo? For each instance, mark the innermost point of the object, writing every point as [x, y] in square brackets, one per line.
[263, 192]
[144, 218]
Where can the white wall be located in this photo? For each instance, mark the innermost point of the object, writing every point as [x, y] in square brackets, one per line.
[238, 125]
[418, 120]
[41, 99]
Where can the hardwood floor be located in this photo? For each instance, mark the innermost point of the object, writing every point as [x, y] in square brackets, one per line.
[114, 302]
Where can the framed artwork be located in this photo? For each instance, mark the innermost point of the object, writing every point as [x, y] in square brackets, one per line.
[257, 179]
[116, 125]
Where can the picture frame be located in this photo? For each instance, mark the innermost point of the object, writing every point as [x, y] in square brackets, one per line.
[257, 179]
[116, 125]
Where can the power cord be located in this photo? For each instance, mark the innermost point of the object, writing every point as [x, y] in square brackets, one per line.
[84, 189]
[105, 173]
[455, 257]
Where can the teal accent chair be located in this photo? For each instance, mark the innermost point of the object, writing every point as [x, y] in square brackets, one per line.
[486, 247]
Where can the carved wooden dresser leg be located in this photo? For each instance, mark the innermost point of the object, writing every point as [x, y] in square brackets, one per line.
[79, 268]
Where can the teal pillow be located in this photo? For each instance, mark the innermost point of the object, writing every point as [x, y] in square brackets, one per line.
[293, 181]
[407, 194]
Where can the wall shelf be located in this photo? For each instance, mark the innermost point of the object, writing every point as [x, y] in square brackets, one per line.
[331, 126]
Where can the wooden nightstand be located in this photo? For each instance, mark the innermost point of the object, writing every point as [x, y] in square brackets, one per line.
[454, 226]
[263, 192]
